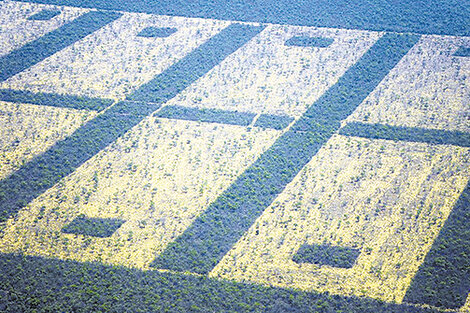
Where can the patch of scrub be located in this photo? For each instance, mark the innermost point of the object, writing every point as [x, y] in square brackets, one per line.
[334, 256]
[44, 15]
[92, 226]
[273, 121]
[158, 32]
[307, 41]
[412, 134]
[206, 115]
[462, 51]
[65, 101]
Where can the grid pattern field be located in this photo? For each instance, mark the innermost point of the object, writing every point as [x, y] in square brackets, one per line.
[254, 163]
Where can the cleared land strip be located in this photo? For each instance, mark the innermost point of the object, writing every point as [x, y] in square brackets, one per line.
[36, 51]
[28, 130]
[43, 172]
[266, 76]
[21, 23]
[215, 231]
[114, 61]
[198, 63]
[413, 134]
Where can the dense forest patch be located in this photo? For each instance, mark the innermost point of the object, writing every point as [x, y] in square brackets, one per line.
[206, 115]
[44, 15]
[335, 256]
[30, 284]
[462, 52]
[95, 227]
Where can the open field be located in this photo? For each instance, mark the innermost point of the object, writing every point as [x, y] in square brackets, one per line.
[174, 157]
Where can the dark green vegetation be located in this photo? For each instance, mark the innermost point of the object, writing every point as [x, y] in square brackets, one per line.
[462, 52]
[44, 15]
[95, 227]
[34, 284]
[63, 158]
[50, 99]
[305, 41]
[45, 46]
[443, 280]
[159, 32]
[273, 121]
[224, 117]
[412, 134]
[134, 108]
[335, 256]
[447, 17]
[206, 115]
[215, 231]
